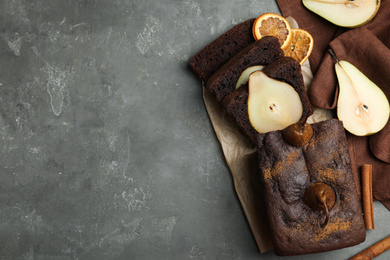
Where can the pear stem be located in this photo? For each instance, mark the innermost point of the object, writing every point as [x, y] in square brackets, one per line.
[326, 218]
[331, 52]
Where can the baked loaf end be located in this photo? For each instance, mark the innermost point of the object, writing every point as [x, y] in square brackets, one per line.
[286, 171]
[284, 69]
[206, 62]
[262, 52]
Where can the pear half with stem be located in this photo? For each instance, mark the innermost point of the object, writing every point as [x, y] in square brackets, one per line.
[320, 197]
[345, 13]
[272, 104]
[361, 105]
[298, 134]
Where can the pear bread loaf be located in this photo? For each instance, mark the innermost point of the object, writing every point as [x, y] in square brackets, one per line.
[287, 174]
[285, 69]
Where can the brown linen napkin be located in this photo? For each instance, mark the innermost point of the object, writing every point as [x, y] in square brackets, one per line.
[367, 48]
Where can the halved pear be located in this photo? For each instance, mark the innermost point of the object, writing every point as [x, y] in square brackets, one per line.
[272, 104]
[361, 105]
[345, 13]
[244, 77]
[320, 197]
[298, 134]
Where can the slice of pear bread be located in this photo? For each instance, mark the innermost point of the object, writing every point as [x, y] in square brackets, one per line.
[262, 52]
[207, 61]
[285, 69]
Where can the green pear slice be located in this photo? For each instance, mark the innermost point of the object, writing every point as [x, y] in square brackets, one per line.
[244, 77]
[361, 105]
[272, 104]
[345, 13]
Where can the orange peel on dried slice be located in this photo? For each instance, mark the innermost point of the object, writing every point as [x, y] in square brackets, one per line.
[274, 25]
[301, 45]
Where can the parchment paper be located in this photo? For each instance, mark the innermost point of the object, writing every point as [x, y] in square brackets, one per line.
[240, 155]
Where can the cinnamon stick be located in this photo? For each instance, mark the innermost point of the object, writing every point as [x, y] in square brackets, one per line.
[367, 198]
[374, 250]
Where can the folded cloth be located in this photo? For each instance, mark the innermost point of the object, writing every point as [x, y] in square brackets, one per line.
[368, 48]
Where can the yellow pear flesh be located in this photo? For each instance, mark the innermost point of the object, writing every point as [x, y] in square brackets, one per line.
[362, 105]
[244, 77]
[272, 104]
[345, 13]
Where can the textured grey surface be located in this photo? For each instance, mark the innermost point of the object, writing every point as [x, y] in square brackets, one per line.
[106, 150]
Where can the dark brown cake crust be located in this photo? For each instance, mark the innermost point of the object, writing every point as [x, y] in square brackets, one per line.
[285, 69]
[286, 171]
[206, 62]
[262, 52]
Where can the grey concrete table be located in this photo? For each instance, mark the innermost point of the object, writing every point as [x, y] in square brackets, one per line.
[106, 148]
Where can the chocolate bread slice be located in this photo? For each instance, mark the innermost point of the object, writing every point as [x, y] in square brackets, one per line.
[262, 52]
[206, 62]
[285, 69]
[236, 105]
[286, 172]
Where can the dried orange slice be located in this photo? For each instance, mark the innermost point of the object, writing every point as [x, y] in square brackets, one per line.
[301, 45]
[272, 24]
